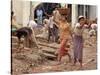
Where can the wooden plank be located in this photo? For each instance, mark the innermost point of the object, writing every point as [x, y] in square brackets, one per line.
[43, 44]
[49, 55]
[51, 51]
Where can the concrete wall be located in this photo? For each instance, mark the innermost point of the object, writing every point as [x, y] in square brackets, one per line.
[34, 5]
[24, 10]
[17, 7]
[74, 14]
[93, 12]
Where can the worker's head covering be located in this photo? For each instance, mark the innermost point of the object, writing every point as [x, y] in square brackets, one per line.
[81, 17]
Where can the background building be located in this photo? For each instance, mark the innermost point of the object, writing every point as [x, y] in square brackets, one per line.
[88, 11]
[25, 10]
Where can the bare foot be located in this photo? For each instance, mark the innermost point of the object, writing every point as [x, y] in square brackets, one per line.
[81, 67]
[73, 64]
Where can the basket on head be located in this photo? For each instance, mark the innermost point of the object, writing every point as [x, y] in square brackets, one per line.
[64, 11]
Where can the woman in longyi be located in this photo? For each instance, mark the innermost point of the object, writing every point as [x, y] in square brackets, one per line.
[65, 35]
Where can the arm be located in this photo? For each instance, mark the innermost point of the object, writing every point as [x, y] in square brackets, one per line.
[70, 30]
[56, 21]
[15, 24]
[78, 26]
[47, 14]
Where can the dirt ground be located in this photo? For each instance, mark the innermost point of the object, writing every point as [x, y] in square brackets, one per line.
[44, 60]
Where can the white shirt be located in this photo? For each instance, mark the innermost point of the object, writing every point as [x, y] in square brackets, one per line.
[77, 30]
[45, 21]
[57, 14]
[94, 26]
[51, 22]
[39, 12]
[32, 24]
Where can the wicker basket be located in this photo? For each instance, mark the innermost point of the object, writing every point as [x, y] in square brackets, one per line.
[64, 11]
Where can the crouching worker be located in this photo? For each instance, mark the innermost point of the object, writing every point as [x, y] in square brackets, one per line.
[25, 32]
[32, 25]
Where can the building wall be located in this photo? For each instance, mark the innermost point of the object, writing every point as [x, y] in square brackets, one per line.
[22, 11]
[17, 7]
[26, 12]
[25, 9]
[74, 14]
[77, 11]
[93, 12]
[33, 7]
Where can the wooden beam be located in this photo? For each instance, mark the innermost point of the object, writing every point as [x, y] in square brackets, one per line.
[42, 44]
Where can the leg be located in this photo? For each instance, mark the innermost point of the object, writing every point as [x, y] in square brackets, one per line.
[59, 58]
[75, 60]
[21, 44]
[61, 50]
[48, 34]
[75, 51]
[41, 19]
[33, 39]
[69, 57]
[52, 33]
[56, 35]
[18, 43]
[49, 37]
[80, 51]
[38, 19]
[80, 61]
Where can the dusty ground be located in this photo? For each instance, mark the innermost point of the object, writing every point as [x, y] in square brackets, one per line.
[34, 61]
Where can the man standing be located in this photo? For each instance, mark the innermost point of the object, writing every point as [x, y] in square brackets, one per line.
[39, 14]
